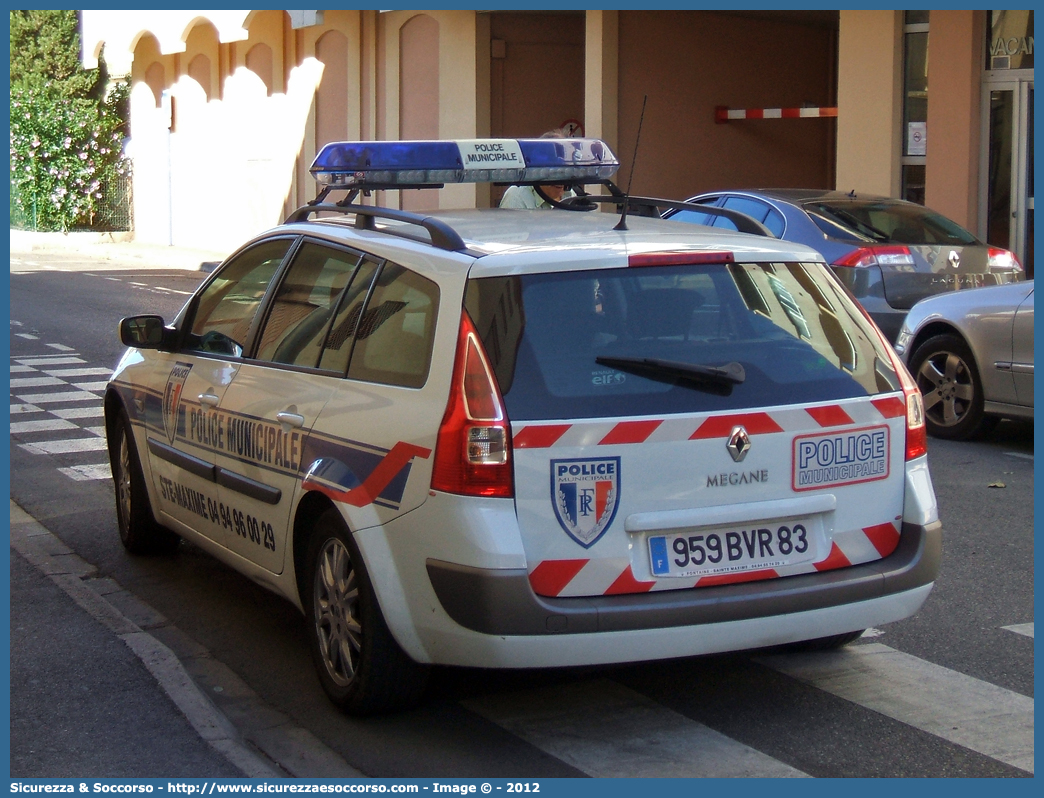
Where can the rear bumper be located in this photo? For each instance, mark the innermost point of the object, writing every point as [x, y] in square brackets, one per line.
[501, 601]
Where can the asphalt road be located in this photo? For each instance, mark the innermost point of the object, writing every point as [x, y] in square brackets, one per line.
[759, 713]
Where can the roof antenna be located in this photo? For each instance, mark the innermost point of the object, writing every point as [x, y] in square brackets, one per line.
[622, 224]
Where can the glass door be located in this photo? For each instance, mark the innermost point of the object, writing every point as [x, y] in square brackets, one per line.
[1008, 213]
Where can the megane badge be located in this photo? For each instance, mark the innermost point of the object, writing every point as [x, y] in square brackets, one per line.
[739, 443]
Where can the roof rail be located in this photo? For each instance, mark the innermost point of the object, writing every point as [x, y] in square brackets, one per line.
[442, 235]
[743, 222]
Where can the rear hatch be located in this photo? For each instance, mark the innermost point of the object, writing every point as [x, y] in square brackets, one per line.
[693, 424]
[920, 252]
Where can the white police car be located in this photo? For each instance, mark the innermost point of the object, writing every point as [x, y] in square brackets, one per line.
[526, 438]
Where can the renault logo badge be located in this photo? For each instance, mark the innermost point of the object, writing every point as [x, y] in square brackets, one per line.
[954, 259]
[739, 443]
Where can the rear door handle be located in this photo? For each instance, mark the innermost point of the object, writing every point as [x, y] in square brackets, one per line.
[208, 399]
[290, 419]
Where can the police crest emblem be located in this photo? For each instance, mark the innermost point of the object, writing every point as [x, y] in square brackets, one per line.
[585, 494]
[172, 398]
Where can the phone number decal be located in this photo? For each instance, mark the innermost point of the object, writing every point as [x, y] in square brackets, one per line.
[234, 520]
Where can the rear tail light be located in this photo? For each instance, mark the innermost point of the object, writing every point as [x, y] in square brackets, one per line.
[877, 256]
[473, 451]
[916, 432]
[1003, 260]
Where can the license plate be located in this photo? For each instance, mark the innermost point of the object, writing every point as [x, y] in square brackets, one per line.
[736, 549]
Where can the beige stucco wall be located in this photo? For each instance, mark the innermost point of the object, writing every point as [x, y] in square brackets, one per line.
[226, 170]
[954, 108]
[687, 64]
[869, 101]
[237, 158]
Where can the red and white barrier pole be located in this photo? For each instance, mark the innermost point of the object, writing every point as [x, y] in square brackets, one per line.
[723, 113]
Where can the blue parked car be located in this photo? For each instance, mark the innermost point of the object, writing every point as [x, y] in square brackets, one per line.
[889, 252]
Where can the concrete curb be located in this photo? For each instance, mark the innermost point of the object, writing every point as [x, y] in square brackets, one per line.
[115, 248]
[292, 750]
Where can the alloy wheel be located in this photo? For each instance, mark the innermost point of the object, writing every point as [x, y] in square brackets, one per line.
[123, 482]
[948, 388]
[337, 612]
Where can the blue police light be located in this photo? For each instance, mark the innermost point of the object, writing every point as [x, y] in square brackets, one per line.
[358, 164]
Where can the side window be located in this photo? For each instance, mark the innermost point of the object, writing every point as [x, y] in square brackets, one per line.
[775, 223]
[394, 336]
[753, 208]
[304, 304]
[758, 210]
[339, 341]
[227, 306]
[695, 217]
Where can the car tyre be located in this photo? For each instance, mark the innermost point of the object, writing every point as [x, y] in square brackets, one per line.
[360, 665]
[139, 531]
[945, 371]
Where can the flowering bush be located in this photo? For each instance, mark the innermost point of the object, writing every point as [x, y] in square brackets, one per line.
[64, 153]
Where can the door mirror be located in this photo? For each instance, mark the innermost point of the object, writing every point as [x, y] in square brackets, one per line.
[143, 332]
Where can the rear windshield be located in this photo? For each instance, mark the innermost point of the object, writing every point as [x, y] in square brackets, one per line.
[892, 222]
[790, 326]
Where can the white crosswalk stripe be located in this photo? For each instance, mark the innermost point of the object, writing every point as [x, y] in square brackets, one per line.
[48, 360]
[40, 418]
[609, 731]
[79, 412]
[36, 382]
[63, 396]
[1025, 629]
[85, 372]
[92, 444]
[84, 473]
[967, 711]
[91, 386]
[41, 425]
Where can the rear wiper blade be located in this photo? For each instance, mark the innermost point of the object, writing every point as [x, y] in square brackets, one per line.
[673, 371]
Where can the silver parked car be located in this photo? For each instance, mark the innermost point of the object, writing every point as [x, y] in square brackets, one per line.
[971, 353]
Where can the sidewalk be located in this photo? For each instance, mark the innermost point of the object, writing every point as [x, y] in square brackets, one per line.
[115, 248]
[92, 694]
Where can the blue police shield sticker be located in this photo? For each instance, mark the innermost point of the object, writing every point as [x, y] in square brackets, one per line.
[585, 494]
[172, 398]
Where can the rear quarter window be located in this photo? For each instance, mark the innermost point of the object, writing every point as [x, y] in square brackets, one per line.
[394, 335]
[790, 325]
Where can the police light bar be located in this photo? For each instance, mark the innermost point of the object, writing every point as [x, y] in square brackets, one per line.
[358, 164]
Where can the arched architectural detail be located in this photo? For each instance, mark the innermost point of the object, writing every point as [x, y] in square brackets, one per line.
[203, 58]
[259, 61]
[419, 94]
[331, 98]
[199, 71]
[156, 79]
[149, 67]
[419, 78]
[191, 29]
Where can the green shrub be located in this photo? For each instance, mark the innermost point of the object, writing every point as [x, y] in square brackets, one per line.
[64, 151]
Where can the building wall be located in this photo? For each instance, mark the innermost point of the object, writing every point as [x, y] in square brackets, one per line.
[228, 108]
[869, 102]
[687, 64]
[954, 107]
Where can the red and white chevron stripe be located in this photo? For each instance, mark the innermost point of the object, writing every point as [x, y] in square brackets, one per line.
[615, 433]
[608, 577]
[612, 576]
